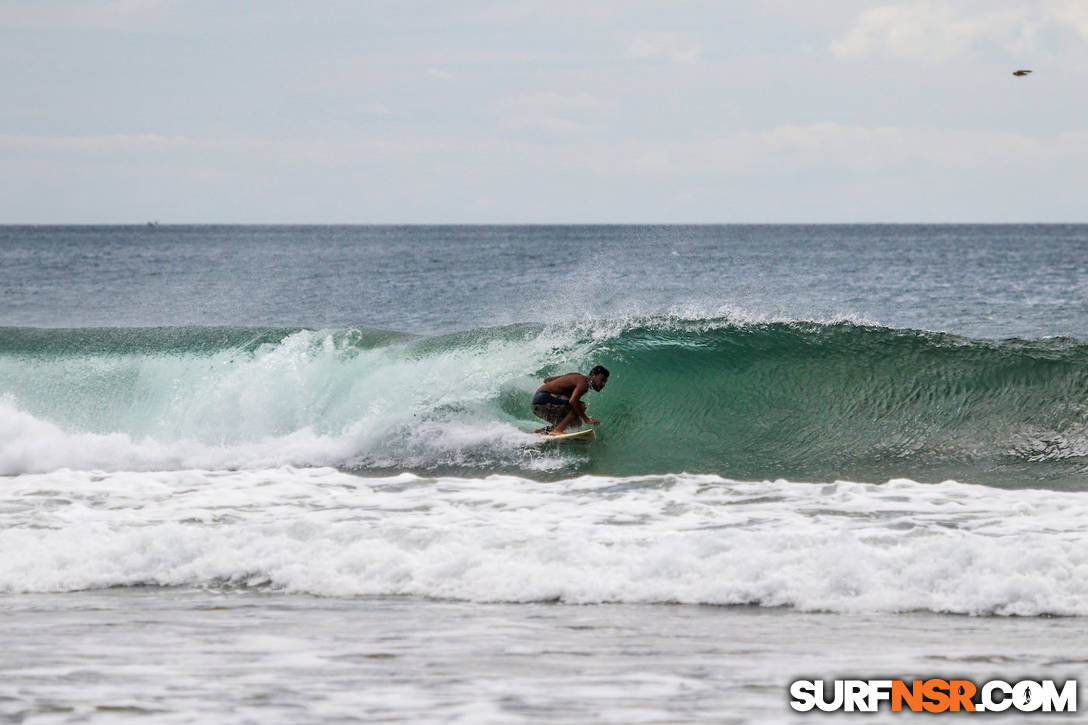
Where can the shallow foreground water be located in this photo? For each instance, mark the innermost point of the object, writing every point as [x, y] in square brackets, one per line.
[188, 656]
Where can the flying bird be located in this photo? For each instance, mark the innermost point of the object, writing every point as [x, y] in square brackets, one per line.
[1021, 72]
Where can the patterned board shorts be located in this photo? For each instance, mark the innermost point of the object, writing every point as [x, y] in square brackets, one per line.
[552, 408]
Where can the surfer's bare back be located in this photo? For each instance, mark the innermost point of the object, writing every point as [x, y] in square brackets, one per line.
[559, 399]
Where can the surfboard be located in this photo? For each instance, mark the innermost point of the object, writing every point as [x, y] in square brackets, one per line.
[580, 436]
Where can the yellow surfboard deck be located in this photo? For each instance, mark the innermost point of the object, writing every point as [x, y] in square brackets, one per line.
[581, 436]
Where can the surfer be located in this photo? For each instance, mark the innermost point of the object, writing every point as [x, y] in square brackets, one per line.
[559, 399]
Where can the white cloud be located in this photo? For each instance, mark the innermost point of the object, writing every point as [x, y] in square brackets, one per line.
[812, 164]
[785, 148]
[940, 29]
[866, 151]
[926, 29]
[568, 10]
[439, 74]
[654, 160]
[551, 112]
[551, 124]
[212, 153]
[549, 102]
[1072, 13]
[114, 15]
[674, 47]
[374, 109]
[109, 143]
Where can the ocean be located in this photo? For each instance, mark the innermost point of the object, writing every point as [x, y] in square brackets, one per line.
[288, 474]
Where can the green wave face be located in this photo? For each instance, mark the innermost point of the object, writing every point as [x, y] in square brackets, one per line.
[806, 401]
[795, 400]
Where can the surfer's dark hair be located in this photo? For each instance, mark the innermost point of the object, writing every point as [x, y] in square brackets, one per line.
[599, 370]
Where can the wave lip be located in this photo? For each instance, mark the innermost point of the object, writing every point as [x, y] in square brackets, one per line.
[839, 547]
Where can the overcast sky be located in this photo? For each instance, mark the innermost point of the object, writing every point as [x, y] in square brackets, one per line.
[550, 111]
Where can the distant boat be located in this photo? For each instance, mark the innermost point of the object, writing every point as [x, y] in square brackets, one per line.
[1021, 73]
[153, 225]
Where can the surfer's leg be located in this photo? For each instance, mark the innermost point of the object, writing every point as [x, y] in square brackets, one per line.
[550, 413]
[561, 426]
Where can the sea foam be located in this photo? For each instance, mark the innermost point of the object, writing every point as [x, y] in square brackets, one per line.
[843, 547]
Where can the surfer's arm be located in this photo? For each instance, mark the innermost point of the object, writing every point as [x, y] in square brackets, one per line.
[578, 406]
[576, 396]
[587, 419]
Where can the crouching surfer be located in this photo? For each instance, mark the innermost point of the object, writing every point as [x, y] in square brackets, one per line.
[559, 399]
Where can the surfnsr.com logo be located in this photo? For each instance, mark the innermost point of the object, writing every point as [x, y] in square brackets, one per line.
[933, 695]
